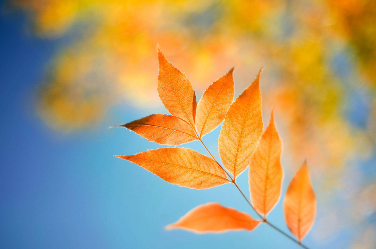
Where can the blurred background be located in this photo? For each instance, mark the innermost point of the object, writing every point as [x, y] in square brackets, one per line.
[71, 69]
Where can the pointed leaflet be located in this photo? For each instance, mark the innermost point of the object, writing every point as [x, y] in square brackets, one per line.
[265, 171]
[163, 129]
[176, 91]
[241, 130]
[213, 105]
[213, 217]
[184, 167]
[300, 203]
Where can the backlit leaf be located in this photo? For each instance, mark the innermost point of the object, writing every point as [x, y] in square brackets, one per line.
[194, 107]
[265, 171]
[300, 203]
[213, 105]
[241, 130]
[213, 217]
[181, 166]
[176, 91]
[163, 129]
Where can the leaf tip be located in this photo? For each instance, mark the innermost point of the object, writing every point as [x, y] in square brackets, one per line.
[115, 126]
[231, 71]
[256, 82]
[304, 169]
[305, 166]
[160, 55]
[271, 124]
[272, 116]
[121, 157]
[170, 227]
[259, 72]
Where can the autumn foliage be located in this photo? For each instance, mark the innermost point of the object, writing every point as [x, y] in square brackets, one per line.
[242, 143]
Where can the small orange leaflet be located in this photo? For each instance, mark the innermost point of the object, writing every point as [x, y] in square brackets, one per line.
[300, 203]
[241, 130]
[213, 105]
[265, 170]
[213, 217]
[176, 91]
[163, 129]
[181, 166]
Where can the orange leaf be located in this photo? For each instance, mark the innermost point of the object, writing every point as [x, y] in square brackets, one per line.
[184, 167]
[163, 129]
[194, 107]
[176, 91]
[213, 105]
[213, 217]
[241, 130]
[300, 203]
[265, 170]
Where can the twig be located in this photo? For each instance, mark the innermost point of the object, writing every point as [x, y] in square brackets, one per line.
[250, 204]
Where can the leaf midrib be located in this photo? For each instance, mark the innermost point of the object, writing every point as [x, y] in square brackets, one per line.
[220, 215]
[167, 128]
[182, 166]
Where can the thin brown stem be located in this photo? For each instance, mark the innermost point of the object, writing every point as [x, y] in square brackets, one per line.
[250, 204]
[288, 236]
[263, 219]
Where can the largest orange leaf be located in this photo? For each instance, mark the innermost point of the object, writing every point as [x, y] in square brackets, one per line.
[212, 107]
[213, 217]
[176, 91]
[265, 170]
[300, 203]
[163, 129]
[241, 130]
[181, 166]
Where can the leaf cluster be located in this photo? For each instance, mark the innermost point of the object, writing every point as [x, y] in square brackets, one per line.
[242, 143]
